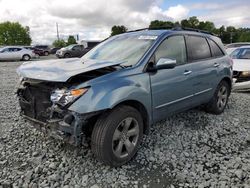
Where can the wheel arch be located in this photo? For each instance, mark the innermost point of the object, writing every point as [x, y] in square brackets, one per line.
[141, 108]
[229, 81]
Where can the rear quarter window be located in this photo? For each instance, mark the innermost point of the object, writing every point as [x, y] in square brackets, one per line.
[197, 48]
[216, 51]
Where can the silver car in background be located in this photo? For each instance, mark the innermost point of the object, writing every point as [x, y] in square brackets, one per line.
[15, 53]
[233, 46]
[241, 68]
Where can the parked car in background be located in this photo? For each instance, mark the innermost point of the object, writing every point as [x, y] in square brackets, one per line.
[241, 68]
[123, 85]
[231, 47]
[53, 50]
[16, 53]
[74, 50]
[90, 43]
[45, 49]
[37, 51]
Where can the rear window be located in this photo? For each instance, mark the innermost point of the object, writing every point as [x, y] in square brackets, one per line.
[216, 51]
[198, 48]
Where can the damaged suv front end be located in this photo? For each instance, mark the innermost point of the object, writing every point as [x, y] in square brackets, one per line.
[62, 97]
[46, 101]
[46, 104]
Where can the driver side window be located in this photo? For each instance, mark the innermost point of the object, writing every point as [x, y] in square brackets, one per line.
[76, 48]
[174, 48]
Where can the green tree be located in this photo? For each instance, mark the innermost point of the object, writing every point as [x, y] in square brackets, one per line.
[227, 35]
[185, 23]
[71, 40]
[59, 43]
[13, 33]
[194, 22]
[118, 29]
[156, 24]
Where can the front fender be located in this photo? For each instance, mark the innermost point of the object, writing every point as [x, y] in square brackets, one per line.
[106, 95]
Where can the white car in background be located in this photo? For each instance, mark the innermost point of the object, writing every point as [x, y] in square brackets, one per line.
[15, 53]
[241, 68]
[233, 46]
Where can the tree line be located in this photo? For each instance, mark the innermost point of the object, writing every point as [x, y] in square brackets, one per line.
[13, 33]
[227, 34]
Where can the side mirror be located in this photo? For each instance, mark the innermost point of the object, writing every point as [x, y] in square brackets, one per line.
[165, 63]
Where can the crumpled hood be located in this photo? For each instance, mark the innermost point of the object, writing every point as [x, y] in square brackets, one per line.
[241, 64]
[60, 70]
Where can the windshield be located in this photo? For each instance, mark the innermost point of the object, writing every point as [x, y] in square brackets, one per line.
[127, 49]
[243, 53]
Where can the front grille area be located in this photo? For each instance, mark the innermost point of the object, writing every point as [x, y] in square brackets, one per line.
[35, 102]
[239, 78]
[236, 74]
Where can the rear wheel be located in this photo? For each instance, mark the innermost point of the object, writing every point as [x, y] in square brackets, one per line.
[26, 57]
[117, 135]
[220, 99]
[46, 53]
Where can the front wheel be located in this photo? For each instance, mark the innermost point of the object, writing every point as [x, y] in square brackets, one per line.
[219, 101]
[117, 135]
[67, 55]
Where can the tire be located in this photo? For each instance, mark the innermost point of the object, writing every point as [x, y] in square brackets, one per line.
[117, 135]
[46, 53]
[220, 99]
[67, 55]
[26, 57]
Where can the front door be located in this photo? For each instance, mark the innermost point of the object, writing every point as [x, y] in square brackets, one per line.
[172, 89]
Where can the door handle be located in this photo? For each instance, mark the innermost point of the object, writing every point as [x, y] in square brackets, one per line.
[187, 72]
[216, 64]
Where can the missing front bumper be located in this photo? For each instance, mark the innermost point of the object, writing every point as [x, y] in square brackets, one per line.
[67, 129]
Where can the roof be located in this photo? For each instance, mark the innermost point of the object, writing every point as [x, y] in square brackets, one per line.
[159, 31]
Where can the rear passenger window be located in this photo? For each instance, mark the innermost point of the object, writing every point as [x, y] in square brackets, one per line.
[198, 48]
[173, 48]
[216, 51]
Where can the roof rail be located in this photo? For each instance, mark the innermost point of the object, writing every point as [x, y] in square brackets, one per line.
[192, 29]
[137, 30]
[177, 28]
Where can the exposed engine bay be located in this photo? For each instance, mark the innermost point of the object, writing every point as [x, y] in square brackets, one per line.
[46, 104]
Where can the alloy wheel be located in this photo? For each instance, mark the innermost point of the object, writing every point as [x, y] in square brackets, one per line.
[125, 137]
[222, 97]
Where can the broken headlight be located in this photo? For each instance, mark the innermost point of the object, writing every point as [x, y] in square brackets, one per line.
[245, 74]
[64, 96]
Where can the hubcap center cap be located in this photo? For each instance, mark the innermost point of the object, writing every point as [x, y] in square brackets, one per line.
[124, 137]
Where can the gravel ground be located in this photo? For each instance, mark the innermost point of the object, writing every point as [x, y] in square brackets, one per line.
[191, 149]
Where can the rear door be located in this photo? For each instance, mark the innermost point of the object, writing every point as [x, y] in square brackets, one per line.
[204, 67]
[171, 88]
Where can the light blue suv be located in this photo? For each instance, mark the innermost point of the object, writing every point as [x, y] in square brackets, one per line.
[123, 85]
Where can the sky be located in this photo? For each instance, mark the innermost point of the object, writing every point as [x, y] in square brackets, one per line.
[93, 19]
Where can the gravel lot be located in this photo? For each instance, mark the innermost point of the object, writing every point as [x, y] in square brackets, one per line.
[191, 149]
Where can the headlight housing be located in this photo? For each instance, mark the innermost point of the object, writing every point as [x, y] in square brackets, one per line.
[245, 74]
[64, 96]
